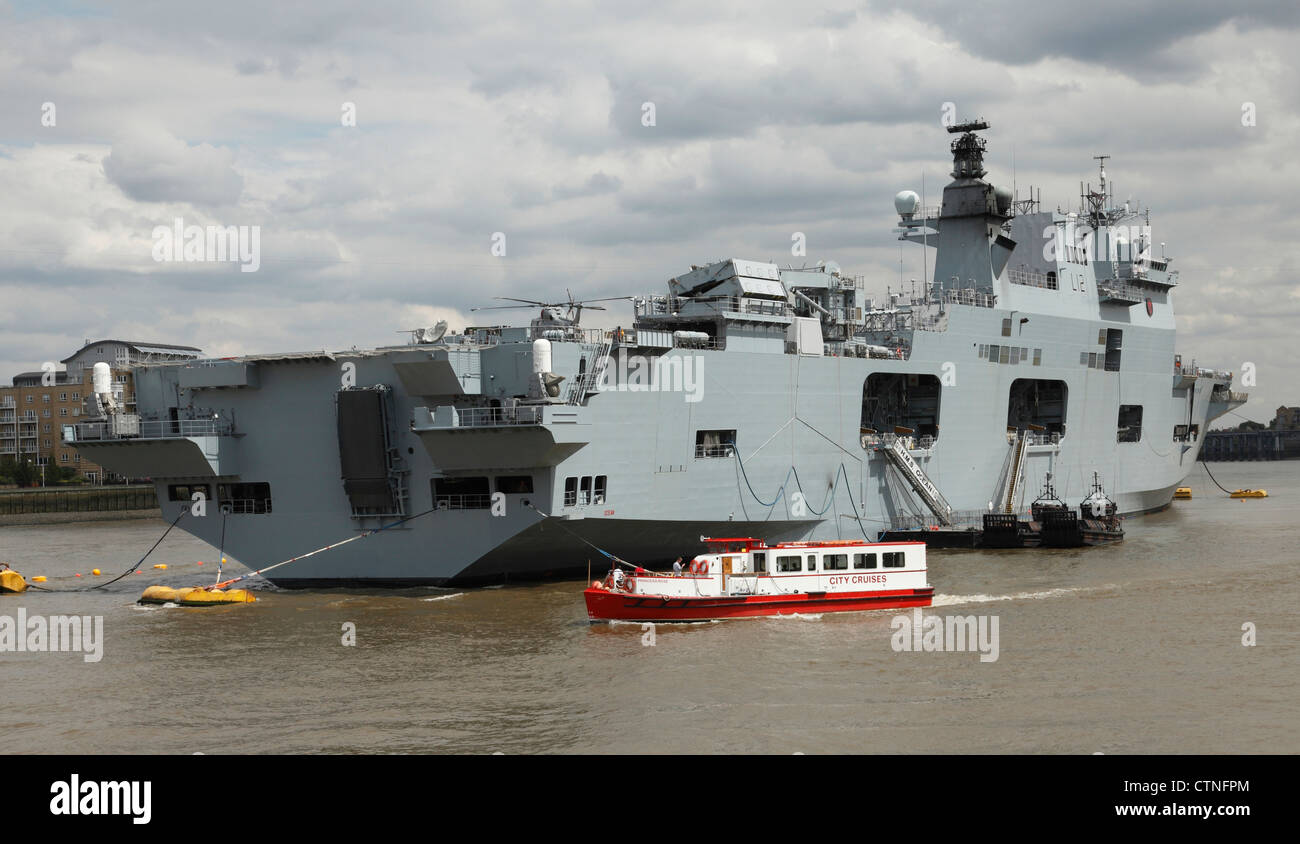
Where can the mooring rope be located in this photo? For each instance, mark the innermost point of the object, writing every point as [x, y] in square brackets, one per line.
[1216, 483]
[131, 570]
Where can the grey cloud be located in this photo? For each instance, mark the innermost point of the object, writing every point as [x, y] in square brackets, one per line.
[156, 167]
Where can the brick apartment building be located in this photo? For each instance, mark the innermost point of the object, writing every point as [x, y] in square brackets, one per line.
[37, 406]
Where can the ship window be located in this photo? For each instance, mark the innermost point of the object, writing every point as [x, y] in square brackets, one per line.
[1092, 360]
[789, 563]
[1034, 402]
[472, 493]
[835, 562]
[584, 490]
[1180, 433]
[892, 400]
[984, 351]
[864, 561]
[1015, 355]
[893, 560]
[715, 443]
[1114, 348]
[1083, 358]
[812, 562]
[1129, 426]
[1038, 357]
[514, 484]
[1051, 280]
[248, 498]
[993, 353]
[760, 562]
[600, 489]
[1006, 327]
[1004, 356]
[1101, 337]
[185, 492]
[570, 492]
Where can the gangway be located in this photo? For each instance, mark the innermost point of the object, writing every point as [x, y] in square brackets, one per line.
[898, 454]
[1017, 469]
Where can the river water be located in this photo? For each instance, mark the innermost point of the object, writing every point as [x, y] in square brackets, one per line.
[1125, 649]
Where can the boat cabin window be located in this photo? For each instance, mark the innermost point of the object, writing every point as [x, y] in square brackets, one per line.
[791, 563]
[715, 443]
[514, 484]
[812, 562]
[1129, 425]
[570, 492]
[835, 562]
[893, 559]
[245, 498]
[864, 561]
[760, 562]
[185, 492]
[600, 489]
[584, 490]
[461, 493]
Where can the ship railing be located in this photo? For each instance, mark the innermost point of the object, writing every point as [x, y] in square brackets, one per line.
[1030, 278]
[569, 334]
[672, 305]
[969, 296]
[152, 429]
[959, 519]
[462, 502]
[912, 443]
[1228, 396]
[246, 506]
[491, 417]
[1043, 438]
[715, 451]
[1119, 291]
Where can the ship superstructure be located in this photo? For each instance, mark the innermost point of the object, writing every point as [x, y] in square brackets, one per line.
[747, 400]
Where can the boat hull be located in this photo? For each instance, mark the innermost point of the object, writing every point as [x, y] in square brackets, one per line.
[605, 605]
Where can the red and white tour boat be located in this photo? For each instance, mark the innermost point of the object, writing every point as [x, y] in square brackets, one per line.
[746, 577]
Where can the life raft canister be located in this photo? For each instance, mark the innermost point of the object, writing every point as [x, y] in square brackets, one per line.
[12, 582]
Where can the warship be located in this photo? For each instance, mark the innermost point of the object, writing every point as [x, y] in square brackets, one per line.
[748, 399]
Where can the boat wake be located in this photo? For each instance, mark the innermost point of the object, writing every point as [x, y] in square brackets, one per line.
[950, 600]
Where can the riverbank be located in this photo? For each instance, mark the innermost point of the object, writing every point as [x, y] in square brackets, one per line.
[74, 517]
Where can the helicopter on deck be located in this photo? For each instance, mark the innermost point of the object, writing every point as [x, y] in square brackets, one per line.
[551, 319]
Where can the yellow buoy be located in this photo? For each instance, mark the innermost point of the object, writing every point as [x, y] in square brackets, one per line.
[40, 578]
[1183, 493]
[12, 582]
[96, 572]
[1248, 493]
[160, 565]
[201, 597]
[195, 596]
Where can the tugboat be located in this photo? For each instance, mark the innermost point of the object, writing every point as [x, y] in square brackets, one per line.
[746, 577]
[1052, 520]
[1099, 521]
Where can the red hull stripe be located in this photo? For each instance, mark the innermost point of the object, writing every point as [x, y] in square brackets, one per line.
[617, 606]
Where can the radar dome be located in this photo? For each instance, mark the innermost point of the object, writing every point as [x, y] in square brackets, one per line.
[907, 202]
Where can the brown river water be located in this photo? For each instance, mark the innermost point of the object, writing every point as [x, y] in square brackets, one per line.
[1134, 648]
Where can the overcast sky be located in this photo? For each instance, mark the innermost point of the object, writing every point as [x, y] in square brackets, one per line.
[527, 119]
